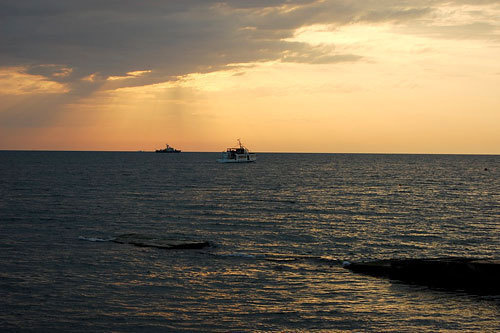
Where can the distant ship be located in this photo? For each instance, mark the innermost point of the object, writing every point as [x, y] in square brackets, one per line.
[168, 149]
[237, 155]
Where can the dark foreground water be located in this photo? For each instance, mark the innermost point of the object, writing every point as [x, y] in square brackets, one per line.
[278, 227]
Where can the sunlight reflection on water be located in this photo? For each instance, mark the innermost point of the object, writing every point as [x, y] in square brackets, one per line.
[279, 228]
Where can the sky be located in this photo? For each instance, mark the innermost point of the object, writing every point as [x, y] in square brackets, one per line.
[332, 76]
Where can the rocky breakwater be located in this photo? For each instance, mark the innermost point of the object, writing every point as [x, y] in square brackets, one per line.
[159, 242]
[480, 276]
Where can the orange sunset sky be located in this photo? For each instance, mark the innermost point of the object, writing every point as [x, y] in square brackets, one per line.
[381, 76]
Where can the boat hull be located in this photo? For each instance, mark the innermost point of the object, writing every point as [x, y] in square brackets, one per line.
[235, 161]
[238, 158]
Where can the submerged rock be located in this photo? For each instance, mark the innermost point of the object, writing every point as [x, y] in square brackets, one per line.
[472, 275]
[159, 242]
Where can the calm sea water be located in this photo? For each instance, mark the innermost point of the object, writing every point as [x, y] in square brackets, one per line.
[279, 228]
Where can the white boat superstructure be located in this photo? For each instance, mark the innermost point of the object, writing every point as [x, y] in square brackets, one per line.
[237, 155]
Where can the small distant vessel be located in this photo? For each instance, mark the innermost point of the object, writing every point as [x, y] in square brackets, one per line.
[168, 149]
[237, 155]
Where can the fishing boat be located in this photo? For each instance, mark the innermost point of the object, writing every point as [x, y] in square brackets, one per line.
[168, 149]
[237, 155]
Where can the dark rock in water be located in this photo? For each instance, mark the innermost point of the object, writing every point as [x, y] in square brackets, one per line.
[159, 242]
[471, 275]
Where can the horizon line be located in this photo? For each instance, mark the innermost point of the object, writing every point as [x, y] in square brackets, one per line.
[257, 152]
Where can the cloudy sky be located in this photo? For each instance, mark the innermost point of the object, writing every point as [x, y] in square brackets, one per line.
[395, 76]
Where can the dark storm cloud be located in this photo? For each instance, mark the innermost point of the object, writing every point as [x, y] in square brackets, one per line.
[68, 40]
[113, 37]
[169, 37]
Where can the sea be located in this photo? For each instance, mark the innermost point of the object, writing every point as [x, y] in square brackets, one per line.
[279, 230]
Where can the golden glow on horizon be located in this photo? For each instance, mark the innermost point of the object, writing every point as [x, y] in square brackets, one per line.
[410, 93]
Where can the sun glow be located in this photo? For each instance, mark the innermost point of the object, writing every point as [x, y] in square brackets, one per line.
[15, 81]
[129, 75]
[428, 84]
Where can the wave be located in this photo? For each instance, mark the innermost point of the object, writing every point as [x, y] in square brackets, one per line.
[281, 258]
[239, 255]
[95, 239]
